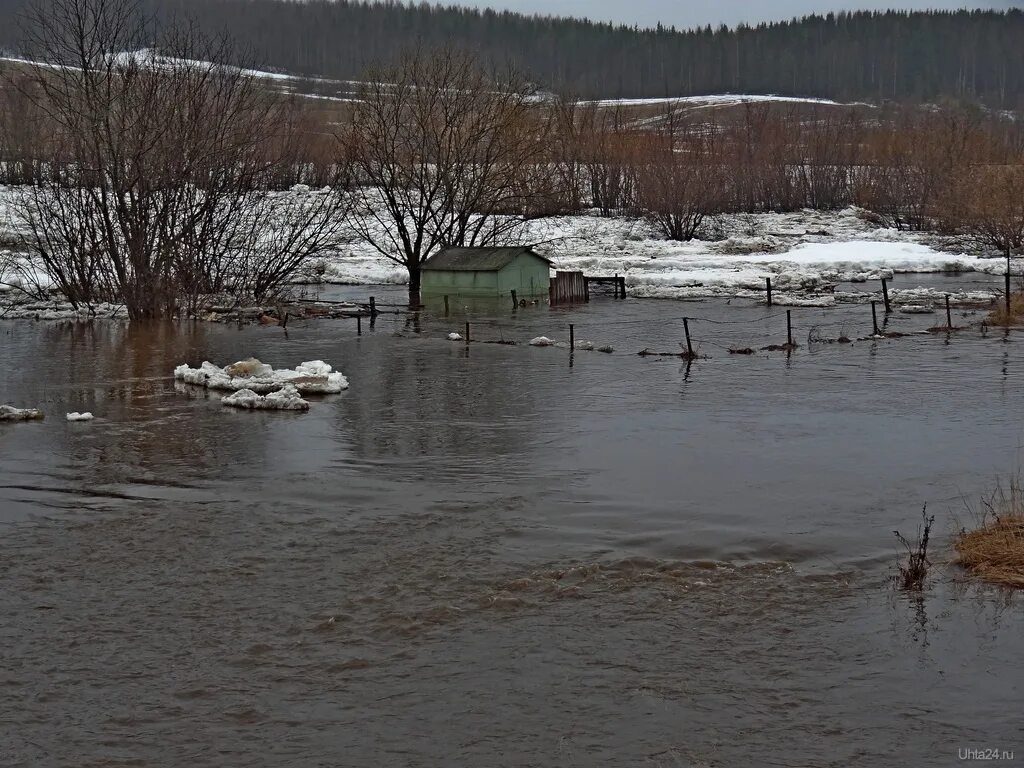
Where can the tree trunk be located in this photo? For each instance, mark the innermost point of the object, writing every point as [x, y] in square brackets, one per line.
[414, 286]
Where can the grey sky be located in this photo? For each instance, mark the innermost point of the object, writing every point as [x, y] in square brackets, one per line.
[689, 13]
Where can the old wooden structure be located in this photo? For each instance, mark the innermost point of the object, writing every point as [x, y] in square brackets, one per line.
[486, 273]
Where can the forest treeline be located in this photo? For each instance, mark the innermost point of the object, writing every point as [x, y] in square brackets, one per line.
[975, 56]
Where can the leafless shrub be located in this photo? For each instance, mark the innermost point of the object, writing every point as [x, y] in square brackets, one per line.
[156, 191]
[679, 179]
[913, 570]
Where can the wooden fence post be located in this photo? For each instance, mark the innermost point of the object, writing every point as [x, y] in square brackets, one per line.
[515, 303]
[885, 295]
[768, 287]
[874, 318]
[467, 334]
[689, 344]
[446, 305]
[789, 327]
[373, 307]
[949, 317]
[359, 325]
[572, 337]
[1008, 315]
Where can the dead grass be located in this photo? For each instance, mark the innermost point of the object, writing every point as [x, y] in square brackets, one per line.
[994, 549]
[998, 315]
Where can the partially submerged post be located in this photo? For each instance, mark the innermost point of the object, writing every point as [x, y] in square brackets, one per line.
[373, 307]
[885, 295]
[359, 325]
[949, 317]
[1009, 315]
[789, 327]
[689, 344]
[446, 305]
[874, 318]
[467, 334]
[617, 282]
[515, 303]
[768, 288]
[572, 337]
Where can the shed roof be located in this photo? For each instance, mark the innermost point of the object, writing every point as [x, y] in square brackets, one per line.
[477, 259]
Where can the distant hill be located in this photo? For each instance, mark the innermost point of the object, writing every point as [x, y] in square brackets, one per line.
[975, 56]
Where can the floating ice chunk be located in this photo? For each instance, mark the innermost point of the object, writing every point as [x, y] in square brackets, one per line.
[10, 413]
[285, 399]
[454, 337]
[542, 341]
[76, 416]
[314, 376]
[789, 300]
[585, 345]
[916, 309]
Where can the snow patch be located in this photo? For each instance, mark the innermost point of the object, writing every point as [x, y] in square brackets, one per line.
[76, 416]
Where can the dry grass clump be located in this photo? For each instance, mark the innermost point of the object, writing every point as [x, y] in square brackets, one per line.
[998, 315]
[994, 550]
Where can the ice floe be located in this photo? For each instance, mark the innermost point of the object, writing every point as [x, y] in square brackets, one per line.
[542, 341]
[311, 377]
[287, 398]
[76, 416]
[10, 413]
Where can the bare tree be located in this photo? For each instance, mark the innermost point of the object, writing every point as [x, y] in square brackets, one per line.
[157, 191]
[679, 180]
[988, 205]
[440, 147]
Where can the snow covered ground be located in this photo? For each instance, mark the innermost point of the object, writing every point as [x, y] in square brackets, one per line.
[806, 254]
[715, 100]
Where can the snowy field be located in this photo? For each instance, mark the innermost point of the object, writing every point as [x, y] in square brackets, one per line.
[809, 256]
[806, 254]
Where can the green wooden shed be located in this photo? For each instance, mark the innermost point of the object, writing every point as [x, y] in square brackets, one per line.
[486, 273]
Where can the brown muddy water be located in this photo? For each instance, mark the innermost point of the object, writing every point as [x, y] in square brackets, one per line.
[491, 557]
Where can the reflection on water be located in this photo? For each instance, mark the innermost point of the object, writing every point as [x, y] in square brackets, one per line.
[484, 556]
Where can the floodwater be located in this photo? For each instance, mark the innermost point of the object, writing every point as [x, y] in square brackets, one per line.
[503, 555]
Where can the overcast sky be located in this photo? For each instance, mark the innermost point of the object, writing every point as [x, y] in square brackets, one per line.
[690, 13]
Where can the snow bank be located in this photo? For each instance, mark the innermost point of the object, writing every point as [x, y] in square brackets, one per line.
[76, 416]
[59, 310]
[805, 253]
[718, 99]
[10, 413]
[314, 376]
[285, 399]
